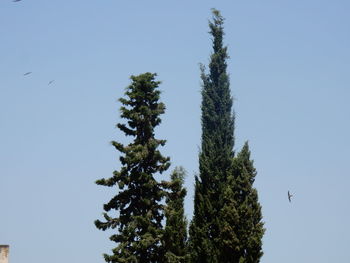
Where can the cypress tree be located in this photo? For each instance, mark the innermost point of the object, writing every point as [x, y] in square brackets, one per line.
[215, 158]
[251, 228]
[242, 226]
[175, 234]
[137, 205]
[226, 226]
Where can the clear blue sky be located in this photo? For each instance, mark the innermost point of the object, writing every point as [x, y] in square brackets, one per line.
[289, 70]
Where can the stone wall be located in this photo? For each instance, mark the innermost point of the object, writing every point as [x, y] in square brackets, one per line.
[4, 253]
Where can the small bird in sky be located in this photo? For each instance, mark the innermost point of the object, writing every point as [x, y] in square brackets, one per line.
[25, 74]
[16, 0]
[289, 196]
[51, 81]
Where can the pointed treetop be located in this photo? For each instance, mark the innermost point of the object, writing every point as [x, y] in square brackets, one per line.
[217, 17]
[217, 30]
[245, 150]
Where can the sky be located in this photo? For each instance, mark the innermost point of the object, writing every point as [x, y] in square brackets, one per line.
[290, 73]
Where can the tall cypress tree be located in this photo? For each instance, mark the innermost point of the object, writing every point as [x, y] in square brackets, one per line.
[138, 203]
[241, 218]
[226, 226]
[175, 234]
[215, 158]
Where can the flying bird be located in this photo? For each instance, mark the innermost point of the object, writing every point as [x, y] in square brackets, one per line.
[16, 0]
[289, 196]
[25, 74]
[51, 82]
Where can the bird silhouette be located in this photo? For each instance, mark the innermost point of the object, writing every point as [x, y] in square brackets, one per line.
[51, 81]
[16, 0]
[289, 196]
[25, 74]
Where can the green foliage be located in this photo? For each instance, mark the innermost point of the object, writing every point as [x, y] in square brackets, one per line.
[241, 219]
[216, 153]
[226, 226]
[175, 236]
[138, 202]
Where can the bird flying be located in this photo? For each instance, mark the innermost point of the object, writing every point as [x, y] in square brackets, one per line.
[289, 196]
[16, 0]
[51, 82]
[25, 74]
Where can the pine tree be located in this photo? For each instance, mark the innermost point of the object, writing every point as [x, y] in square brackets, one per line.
[215, 158]
[138, 207]
[175, 236]
[246, 220]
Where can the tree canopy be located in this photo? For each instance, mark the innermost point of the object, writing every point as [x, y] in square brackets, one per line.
[138, 202]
